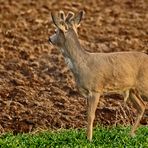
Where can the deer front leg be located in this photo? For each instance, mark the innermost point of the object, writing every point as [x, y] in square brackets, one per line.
[140, 106]
[92, 105]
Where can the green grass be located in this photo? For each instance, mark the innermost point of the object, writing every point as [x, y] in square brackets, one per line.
[115, 137]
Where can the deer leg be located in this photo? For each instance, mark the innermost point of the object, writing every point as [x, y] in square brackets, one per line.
[140, 106]
[92, 105]
[126, 95]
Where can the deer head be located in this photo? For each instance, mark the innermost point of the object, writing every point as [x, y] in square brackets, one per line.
[64, 25]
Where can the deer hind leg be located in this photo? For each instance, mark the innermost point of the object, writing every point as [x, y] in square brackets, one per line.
[140, 106]
[92, 106]
[126, 95]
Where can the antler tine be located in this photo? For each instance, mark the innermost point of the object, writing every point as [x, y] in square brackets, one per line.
[69, 16]
[62, 15]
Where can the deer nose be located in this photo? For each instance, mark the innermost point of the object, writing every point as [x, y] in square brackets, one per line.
[50, 40]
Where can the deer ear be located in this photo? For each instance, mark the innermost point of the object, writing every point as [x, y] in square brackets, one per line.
[78, 18]
[55, 19]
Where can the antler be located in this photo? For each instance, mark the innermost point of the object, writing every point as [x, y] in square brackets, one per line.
[62, 15]
[57, 21]
[69, 16]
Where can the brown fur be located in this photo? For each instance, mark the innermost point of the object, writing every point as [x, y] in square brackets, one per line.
[99, 73]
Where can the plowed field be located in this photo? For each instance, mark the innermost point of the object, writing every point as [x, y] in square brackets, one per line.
[37, 90]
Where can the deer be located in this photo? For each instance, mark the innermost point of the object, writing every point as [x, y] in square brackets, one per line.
[96, 74]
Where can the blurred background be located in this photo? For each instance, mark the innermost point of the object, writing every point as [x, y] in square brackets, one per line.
[37, 90]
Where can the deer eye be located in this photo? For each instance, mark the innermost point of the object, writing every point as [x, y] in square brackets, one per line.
[55, 31]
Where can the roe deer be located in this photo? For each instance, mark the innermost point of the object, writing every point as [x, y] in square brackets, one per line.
[99, 73]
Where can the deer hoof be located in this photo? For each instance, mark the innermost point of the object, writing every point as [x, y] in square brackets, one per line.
[132, 134]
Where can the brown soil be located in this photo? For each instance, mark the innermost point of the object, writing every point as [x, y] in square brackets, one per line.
[37, 91]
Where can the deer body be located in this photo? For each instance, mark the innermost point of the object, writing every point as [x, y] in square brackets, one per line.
[105, 72]
[99, 73]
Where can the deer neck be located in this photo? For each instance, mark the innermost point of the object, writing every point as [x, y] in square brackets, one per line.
[73, 52]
